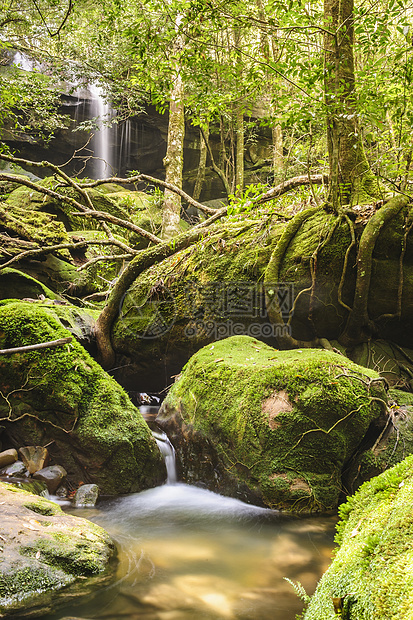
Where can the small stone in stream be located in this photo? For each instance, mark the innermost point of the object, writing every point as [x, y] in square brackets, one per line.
[34, 457]
[86, 495]
[8, 457]
[62, 491]
[15, 469]
[52, 476]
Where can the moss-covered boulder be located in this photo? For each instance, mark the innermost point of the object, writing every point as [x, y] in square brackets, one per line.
[371, 577]
[15, 284]
[272, 427]
[24, 207]
[194, 297]
[216, 287]
[44, 550]
[61, 397]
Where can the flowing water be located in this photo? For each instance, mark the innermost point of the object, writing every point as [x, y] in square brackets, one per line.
[188, 554]
[103, 139]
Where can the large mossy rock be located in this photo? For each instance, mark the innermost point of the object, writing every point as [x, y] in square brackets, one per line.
[62, 397]
[176, 307]
[371, 575]
[15, 284]
[179, 305]
[272, 427]
[43, 551]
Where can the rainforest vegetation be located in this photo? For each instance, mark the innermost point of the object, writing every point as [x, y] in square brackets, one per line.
[285, 181]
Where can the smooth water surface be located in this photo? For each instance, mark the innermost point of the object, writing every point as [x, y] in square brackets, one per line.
[189, 554]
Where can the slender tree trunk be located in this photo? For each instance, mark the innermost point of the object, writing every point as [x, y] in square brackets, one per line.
[240, 147]
[351, 180]
[203, 151]
[239, 117]
[174, 158]
[277, 140]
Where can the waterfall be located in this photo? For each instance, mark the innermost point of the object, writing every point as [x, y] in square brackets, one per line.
[149, 413]
[25, 63]
[102, 144]
[168, 453]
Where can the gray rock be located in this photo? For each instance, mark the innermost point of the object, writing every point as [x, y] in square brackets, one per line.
[44, 549]
[62, 491]
[52, 476]
[8, 457]
[34, 457]
[86, 495]
[16, 469]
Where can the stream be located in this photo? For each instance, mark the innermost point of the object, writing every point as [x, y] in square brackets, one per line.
[186, 553]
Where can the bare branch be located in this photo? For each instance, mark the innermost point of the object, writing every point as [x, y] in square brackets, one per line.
[286, 186]
[146, 177]
[69, 10]
[65, 246]
[98, 259]
[41, 345]
[39, 188]
[102, 215]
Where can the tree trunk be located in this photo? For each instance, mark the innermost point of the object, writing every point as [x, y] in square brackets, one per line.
[174, 158]
[351, 180]
[239, 155]
[277, 140]
[203, 151]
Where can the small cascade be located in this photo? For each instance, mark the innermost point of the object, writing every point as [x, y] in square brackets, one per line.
[168, 453]
[125, 144]
[149, 413]
[104, 139]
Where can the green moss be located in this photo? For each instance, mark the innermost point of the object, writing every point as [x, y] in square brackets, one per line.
[191, 285]
[71, 400]
[28, 223]
[278, 418]
[73, 553]
[26, 581]
[373, 565]
[43, 507]
[15, 284]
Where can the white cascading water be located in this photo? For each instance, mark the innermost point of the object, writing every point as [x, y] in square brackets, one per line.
[102, 143]
[25, 63]
[168, 453]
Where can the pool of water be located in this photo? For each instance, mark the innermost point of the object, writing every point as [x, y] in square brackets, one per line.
[188, 554]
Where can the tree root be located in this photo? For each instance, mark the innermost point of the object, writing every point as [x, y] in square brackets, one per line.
[284, 338]
[144, 260]
[359, 327]
[346, 259]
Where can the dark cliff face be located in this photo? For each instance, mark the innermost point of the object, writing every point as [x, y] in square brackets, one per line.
[135, 144]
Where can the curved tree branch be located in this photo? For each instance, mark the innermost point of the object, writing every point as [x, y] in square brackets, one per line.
[102, 215]
[359, 325]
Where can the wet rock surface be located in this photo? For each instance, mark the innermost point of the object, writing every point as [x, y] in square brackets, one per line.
[52, 476]
[44, 550]
[7, 457]
[86, 495]
[34, 458]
